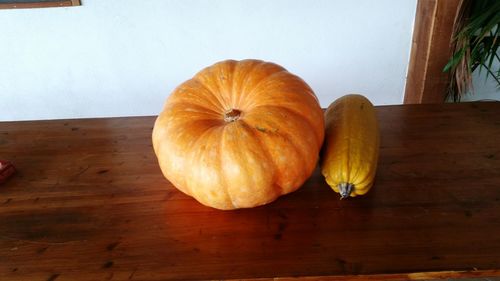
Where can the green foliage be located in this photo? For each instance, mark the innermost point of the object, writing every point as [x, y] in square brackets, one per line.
[475, 44]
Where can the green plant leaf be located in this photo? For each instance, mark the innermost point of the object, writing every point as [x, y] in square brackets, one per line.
[454, 60]
[476, 44]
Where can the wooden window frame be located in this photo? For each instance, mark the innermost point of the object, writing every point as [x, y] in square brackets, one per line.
[426, 82]
[35, 4]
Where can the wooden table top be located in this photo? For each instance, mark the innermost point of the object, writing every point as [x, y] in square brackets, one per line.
[90, 203]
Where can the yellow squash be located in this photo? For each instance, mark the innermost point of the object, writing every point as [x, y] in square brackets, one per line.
[350, 153]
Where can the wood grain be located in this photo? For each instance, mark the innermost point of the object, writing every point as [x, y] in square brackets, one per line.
[89, 203]
[40, 4]
[430, 51]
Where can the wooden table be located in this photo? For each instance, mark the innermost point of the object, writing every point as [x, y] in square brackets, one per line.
[89, 203]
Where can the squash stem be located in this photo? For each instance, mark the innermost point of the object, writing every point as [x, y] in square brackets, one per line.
[232, 115]
[345, 189]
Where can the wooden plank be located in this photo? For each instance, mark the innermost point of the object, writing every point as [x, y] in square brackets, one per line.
[426, 81]
[394, 277]
[41, 4]
[89, 203]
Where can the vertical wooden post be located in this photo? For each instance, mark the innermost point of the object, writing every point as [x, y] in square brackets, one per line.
[432, 34]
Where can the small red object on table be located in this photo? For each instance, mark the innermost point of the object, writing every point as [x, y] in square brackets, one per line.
[6, 170]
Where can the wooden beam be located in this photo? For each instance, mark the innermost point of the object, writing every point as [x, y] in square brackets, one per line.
[426, 82]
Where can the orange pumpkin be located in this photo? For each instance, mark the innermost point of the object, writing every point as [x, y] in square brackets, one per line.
[239, 134]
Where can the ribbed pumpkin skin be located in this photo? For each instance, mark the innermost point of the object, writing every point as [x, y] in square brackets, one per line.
[351, 148]
[266, 147]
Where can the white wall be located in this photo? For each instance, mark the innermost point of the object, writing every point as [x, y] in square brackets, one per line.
[124, 57]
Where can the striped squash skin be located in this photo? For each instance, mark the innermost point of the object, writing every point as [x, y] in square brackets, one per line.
[351, 148]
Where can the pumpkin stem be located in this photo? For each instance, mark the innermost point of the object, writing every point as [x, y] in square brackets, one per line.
[345, 189]
[232, 115]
